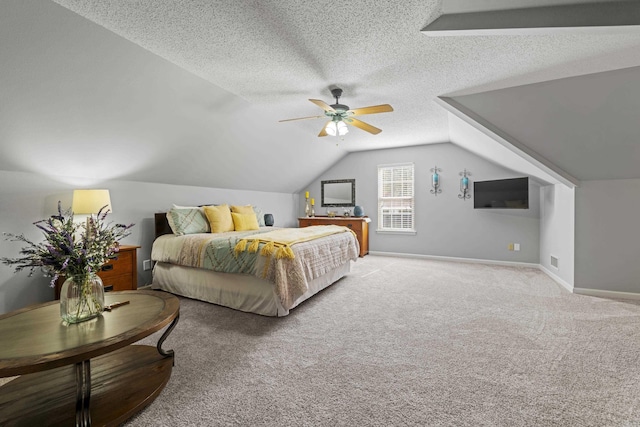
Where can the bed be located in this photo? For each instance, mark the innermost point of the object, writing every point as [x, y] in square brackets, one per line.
[222, 269]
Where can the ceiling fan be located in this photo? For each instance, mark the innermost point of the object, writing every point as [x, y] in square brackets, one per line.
[340, 115]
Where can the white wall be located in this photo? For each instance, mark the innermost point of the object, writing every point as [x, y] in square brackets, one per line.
[26, 198]
[557, 231]
[446, 225]
[607, 235]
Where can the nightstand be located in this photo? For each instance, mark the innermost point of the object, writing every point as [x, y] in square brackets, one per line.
[119, 274]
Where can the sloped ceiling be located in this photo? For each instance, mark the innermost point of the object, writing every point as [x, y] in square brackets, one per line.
[190, 92]
[587, 126]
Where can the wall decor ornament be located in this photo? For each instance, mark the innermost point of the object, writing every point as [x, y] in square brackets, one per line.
[435, 181]
[464, 185]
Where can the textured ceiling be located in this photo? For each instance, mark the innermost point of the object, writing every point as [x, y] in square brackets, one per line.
[190, 92]
[277, 54]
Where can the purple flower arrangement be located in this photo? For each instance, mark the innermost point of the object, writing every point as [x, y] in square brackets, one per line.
[69, 249]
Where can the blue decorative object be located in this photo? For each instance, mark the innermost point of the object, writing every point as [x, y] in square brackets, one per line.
[358, 211]
[435, 181]
[464, 185]
[268, 220]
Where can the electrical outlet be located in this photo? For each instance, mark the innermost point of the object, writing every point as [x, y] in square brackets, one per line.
[516, 246]
[146, 264]
[510, 247]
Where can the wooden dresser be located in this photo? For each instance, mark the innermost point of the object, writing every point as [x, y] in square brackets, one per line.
[119, 274]
[360, 226]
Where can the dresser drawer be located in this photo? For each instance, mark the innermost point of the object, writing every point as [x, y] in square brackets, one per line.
[117, 283]
[122, 264]
[354, 225]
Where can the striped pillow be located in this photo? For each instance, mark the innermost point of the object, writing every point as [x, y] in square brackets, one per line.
[187, 221]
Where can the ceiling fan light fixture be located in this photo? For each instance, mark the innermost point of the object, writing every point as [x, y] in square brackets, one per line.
[342, 128]
[336, 128]
[331, 129]
[339, 113]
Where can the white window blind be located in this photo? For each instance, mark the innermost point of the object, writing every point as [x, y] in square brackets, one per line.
[395, 197]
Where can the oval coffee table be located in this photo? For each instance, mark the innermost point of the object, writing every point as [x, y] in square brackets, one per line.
[85, 373]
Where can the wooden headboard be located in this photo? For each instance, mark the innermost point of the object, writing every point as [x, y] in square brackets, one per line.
[162, 225]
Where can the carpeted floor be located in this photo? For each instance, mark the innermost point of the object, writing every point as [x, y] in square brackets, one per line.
[403, 342]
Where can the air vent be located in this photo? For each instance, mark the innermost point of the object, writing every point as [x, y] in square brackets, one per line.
[554, 262]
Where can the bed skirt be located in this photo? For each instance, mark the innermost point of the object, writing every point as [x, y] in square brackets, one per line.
[239, 291]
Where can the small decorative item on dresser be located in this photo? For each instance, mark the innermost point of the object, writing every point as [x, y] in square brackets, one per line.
[268, 220]
[313, 212]
[307, 208]
[435, 181]
[76, 251]
[464, 185]
[358, 211]
[347, 213]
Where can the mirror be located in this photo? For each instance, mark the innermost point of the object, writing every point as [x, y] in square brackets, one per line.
[338, 192]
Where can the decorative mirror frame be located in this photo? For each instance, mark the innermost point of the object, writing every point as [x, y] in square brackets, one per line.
[338, 181]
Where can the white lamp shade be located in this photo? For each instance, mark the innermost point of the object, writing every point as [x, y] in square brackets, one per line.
[87, 202]
[342, 128]
[331, 129]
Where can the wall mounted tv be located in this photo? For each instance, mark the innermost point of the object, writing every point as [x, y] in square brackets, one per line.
[501, 194]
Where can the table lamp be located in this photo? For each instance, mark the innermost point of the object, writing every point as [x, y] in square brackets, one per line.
[89, 202]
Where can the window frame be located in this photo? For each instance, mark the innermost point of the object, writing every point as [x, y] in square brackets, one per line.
[380, 225]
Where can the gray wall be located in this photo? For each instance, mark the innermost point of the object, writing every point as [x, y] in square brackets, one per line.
[80, 100]
[607, 236]
[557, 231]
[446, 225]
[26, 198]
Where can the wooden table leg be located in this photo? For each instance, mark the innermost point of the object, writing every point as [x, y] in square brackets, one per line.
[167, 353]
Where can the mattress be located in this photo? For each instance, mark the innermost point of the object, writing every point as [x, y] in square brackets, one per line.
[238, 291]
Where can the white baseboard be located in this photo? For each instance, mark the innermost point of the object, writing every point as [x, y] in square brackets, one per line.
[568, 286]
[552, 275]
[606, 294]
[457, 259]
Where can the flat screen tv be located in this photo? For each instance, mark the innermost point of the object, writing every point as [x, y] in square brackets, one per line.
[501, 194]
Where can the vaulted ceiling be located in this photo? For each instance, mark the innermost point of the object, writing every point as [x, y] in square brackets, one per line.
[190, 92]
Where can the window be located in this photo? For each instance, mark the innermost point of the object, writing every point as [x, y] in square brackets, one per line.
[395, 197]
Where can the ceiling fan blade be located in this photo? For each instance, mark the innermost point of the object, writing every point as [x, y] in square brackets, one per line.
[301, 118]
[362, 125]
[384, 108]
[323, 105]
[323, 132]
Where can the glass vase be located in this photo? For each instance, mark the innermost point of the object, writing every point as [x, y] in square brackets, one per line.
[81, 298]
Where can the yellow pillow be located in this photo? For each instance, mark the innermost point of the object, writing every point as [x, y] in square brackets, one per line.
[219, 218]
[242, 209]
[245, 222]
